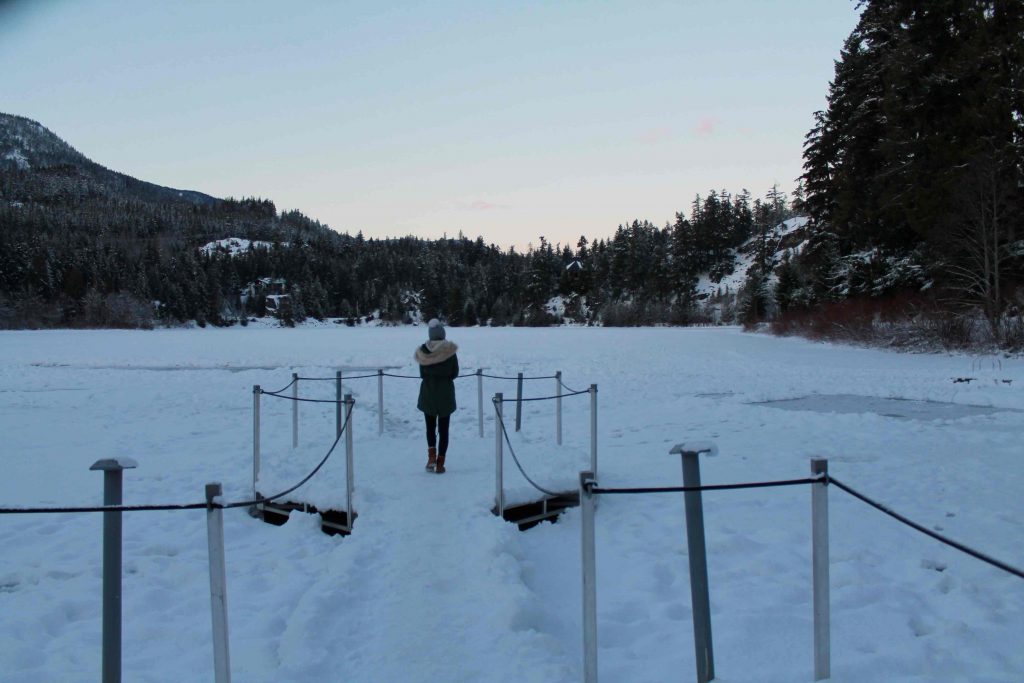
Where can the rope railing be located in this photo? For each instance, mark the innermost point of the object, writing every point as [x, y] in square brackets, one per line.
[928, 532]
[332, 379]
[112, 532]
[184, 506]
[696, 552]
[501, 424]
[568, 388]
[542, 398]
[592, 488]
[524, 378]
[285, 387]
[462, 375]
[381, 373]
[300, 399]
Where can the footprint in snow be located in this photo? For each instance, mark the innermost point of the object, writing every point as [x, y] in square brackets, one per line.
[934, 564]
[920, 627]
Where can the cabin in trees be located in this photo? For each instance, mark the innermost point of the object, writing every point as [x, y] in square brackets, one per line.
[274, 291]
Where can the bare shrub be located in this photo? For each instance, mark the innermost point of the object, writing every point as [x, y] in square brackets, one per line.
[1012, 334]
[907, 320]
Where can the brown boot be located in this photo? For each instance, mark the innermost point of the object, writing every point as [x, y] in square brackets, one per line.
[431, 459]
[440, 465]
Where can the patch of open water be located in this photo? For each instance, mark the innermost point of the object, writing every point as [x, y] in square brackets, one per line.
[900, 408]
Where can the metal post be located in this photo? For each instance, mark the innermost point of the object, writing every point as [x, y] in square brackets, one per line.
[337, 404]
[295, 410]
[350, 476]
[218, 584]
[558, 407]
[499, 468]
[112, 479]
[819, 563]
[380, 401]
[480, 399]
[256, 391]
[593, 429]
[588, 546]
[519, 401]
[697, 552]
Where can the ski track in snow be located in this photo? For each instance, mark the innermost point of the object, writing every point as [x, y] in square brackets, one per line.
[431, 586]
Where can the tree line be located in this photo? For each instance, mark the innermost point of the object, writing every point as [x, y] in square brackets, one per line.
[85, 260]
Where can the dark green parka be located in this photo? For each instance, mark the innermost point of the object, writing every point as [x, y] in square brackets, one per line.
[438, 367]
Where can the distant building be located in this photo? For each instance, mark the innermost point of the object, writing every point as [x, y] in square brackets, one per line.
[574, 267]
[274, 289]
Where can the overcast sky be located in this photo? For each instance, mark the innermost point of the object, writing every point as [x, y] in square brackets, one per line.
[508, 120]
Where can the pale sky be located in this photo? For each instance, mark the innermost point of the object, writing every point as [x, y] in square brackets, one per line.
[508, 120]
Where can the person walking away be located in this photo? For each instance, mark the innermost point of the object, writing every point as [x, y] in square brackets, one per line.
[439, 366]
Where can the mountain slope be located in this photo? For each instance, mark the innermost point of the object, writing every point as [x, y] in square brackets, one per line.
[37, 166]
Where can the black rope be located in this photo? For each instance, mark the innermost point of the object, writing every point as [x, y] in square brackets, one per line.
[542, 398]
[189, 506]
[333, 379]
[388, 374]
[709, 487]
[107, 508]
[286, 386]
[300, 399]
[924, 530]
[344, 428]
[504, 431]
[565, 386]
[516, 377]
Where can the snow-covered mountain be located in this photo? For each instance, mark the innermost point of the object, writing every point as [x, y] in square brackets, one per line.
[41, 165]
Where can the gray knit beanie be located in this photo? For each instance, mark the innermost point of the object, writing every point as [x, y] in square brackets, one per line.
[435, 330]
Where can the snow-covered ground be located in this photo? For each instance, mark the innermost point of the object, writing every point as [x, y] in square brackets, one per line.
[233, 246]
[432, 587]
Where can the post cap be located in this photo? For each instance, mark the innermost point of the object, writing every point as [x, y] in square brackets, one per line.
[213, 490]
[695, 448]
[114, 464]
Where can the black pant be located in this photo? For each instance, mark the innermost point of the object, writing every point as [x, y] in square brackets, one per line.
[438, 424]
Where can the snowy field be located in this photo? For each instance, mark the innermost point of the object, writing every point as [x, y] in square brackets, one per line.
[432, 587]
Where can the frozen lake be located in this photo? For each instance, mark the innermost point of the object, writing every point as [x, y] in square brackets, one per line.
[432, 587]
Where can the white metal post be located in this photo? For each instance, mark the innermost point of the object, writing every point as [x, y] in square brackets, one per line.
[593, 429]
[295, 410]
[255, 438]
[350, 475]
[218, 584]
[819, 564]
[380, 401]
[589, 562]
[558, 407]
[480, 399]
[499, 469]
